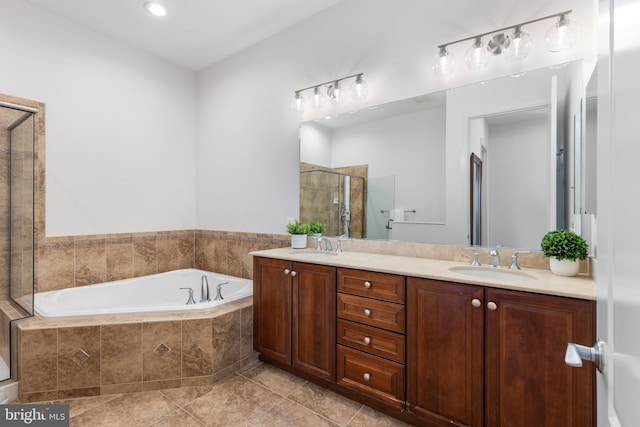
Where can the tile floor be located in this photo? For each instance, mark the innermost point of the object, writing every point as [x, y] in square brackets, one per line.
[259, 395]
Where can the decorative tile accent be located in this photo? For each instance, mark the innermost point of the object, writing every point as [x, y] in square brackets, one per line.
[79, 357]
[162, 349]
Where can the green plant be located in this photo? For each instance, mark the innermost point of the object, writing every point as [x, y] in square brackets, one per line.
[564, 244]
[298, 228]
[316, 227]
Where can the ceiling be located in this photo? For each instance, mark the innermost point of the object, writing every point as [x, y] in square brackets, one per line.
[195, 33]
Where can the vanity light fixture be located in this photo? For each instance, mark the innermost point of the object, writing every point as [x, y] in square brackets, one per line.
[155, 9]
[515, 45]
[333, 90]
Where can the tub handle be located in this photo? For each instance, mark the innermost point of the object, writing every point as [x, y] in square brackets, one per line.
[219, 291]
[190, 300]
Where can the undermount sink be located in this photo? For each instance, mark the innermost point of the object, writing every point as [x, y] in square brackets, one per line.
[491, 273]
[314, 254]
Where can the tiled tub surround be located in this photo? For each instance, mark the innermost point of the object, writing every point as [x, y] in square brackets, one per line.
[65, 262]
[107, 355]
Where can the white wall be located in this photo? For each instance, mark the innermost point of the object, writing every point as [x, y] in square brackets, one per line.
[317, 144]
[247, 150]
[120, 125]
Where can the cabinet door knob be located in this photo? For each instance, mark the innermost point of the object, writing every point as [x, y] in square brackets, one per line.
[492, 305]
[367, 284]
[294, 274]
[367, 312]
[476, 302]
[367, 340]
[287, 271]
[367, 376]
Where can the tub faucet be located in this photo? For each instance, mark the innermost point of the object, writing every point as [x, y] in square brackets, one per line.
[219, 296]
[495, 258]
[190, 300]
[205, 295]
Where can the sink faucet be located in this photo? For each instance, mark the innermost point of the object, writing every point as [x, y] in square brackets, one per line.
[495, 258]
[327, 244]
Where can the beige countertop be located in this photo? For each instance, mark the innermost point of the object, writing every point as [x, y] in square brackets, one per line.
[537, 281]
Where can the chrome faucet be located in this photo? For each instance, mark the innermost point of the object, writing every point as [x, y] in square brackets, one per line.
[190, 300]
[474, 261]
[327, 244]
[219, 296]
[514, 259]
[205, 296]
[495, 258]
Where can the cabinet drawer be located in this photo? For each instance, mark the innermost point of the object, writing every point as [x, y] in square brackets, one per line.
[388, 287]
[379, 342]
[371, 375]
[371, 312]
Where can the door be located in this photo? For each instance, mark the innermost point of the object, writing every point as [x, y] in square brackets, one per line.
[314, 320]
[618, 250]
[272, 308]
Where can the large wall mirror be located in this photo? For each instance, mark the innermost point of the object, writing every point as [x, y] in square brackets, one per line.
[493, 164]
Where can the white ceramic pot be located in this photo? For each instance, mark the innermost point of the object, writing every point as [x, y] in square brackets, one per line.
[298, 241]
[565, 267]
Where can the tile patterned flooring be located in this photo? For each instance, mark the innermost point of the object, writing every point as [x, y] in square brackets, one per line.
[259, 395]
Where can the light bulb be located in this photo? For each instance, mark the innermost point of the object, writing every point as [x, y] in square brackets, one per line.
[519, 47]
[155, 9]
[359, 88]
[443, 63]
[298, 103]
[336, 93]
[317, 98]
[562, 35]
[477, 55]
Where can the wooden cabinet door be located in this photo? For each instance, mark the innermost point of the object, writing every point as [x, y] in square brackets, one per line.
[445, 333]
[272, 308]
[527, 381]
[314, 320]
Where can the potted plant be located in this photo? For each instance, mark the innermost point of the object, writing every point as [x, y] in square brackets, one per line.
[298, 231]
[565, 248]
[316, 228]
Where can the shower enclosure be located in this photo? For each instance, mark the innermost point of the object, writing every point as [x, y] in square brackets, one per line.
[17, 166]
[335, 199]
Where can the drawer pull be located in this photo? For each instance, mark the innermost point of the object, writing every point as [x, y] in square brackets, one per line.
[367, 376]
[367, 284]
[367, 312]
[476, 302]
[367, 340]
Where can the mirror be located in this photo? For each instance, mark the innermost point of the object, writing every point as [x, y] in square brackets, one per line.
[486, 164]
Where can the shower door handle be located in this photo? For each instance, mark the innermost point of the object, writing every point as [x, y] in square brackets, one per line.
[388, 226]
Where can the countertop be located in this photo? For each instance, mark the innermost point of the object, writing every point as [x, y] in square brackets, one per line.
[539, 281]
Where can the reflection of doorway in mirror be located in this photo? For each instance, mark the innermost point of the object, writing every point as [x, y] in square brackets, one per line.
[516, 179]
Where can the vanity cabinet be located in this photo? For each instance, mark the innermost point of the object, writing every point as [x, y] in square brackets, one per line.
[371, 340]
[483, 356]
[294, 308]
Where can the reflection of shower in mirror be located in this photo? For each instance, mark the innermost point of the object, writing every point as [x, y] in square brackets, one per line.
[346, 207]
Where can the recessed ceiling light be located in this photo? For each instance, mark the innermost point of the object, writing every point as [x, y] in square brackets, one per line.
[155, 8]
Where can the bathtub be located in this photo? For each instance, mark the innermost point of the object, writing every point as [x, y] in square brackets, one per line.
[157, 293]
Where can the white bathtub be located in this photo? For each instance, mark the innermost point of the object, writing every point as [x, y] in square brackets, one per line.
[157, 293]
